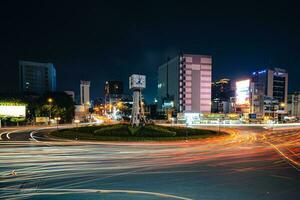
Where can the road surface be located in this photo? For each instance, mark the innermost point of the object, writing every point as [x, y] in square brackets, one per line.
[251, 163]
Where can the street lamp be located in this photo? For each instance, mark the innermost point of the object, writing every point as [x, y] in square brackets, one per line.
[282, 106]
[57, 119]
[50, 101]
[76, 121]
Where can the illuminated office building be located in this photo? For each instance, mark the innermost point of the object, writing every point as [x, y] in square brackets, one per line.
[271, 83]
[221, 93]
[85, 93]
[184, 84]
[36, 77]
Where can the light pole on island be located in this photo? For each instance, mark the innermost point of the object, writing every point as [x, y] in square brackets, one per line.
[50, 101]
[57, 119]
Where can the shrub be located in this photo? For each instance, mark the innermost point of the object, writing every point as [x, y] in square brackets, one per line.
[88, 129]
[134, 130]
[123, 132]
[156, 131]
[113, 130]
[183, 131]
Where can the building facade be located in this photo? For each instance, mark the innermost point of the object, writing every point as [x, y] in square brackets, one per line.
[113, 88]
[184, 84]
[221, 93]
[272, 83]
[85, 92]
[36, 77]
[71, 94]
[294, 104]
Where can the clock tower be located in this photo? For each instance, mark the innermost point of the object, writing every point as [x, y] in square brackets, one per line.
[137, 83]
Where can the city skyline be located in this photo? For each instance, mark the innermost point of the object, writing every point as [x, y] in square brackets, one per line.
[99, 41]
[149, 100]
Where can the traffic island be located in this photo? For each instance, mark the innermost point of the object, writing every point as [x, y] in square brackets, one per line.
[125, 132]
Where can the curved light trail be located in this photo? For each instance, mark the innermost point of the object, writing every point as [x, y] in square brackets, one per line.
[186, 170]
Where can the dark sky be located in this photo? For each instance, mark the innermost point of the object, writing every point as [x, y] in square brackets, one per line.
[100, 41]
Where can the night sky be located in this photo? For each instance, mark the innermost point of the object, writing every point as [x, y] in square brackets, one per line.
[109, 41]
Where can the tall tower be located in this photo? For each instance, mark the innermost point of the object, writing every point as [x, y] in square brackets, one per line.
[137, 83]
[85, 92]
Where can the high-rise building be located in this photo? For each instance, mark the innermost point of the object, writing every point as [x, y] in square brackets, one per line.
[271, 83]
[71, 94]
[184, 84]
[36, 77]
[113, 93]
[221, 93]
[85, 93]
[294, 104]
[113, 88]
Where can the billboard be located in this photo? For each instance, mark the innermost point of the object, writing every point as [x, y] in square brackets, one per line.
[243, 92]
[13, 111]
[42, 119]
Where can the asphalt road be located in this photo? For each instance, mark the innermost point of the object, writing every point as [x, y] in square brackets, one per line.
[251, 163]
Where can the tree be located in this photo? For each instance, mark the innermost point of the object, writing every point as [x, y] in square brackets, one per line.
[62, 106]
[17, 120]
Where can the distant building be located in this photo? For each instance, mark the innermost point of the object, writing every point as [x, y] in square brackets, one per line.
[113, 88]
[37, 77]
[294, 104]
[113, 93]
[271, 83]
[81, 113]
[85, 93]
[184, 84]
[221, 93]
[71, 94]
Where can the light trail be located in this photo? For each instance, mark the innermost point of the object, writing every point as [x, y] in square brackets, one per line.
[41, 192]
[90, 165]
[32, 137]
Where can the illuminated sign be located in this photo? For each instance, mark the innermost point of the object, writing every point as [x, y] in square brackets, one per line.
[42, 119]
[13, 111]
[192, 118]
[243, 92]
[259, 72]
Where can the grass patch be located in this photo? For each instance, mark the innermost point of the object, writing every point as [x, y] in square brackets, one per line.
[124, 132]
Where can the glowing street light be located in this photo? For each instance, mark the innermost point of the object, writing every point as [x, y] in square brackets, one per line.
[50, 101]
[77, 121]
[57, 119]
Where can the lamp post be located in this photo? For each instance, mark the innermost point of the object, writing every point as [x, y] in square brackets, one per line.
[282, 105]
[219, 121]
[50, 101]
[76, 121]
[57, 119]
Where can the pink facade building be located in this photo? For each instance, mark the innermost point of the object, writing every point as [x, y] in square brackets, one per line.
[184, 84]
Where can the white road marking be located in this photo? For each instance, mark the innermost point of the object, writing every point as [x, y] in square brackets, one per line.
[8, 133]
[32, 137]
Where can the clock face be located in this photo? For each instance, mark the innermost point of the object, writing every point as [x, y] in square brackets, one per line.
[138, 81]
